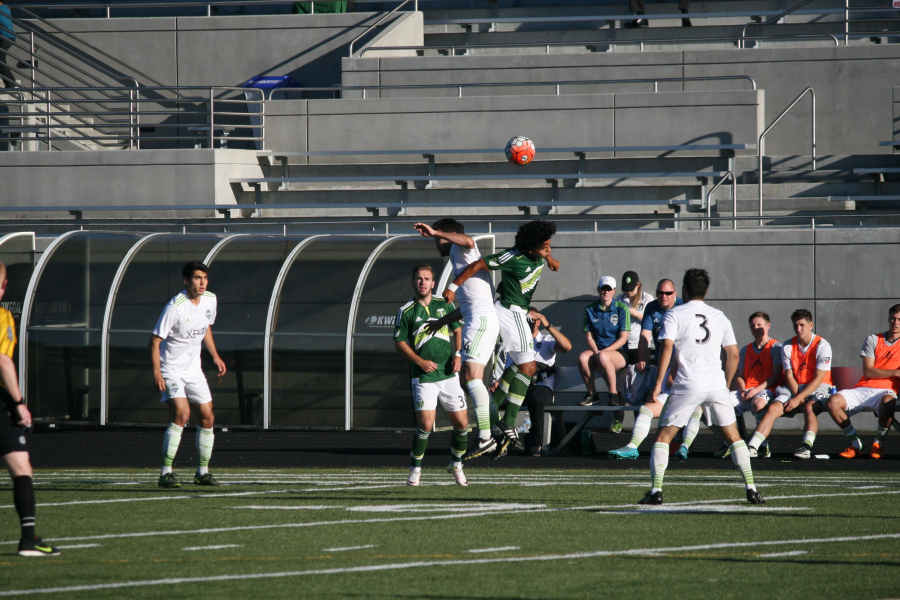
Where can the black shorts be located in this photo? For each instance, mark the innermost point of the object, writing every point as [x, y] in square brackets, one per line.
[12, 436]
[632, 356]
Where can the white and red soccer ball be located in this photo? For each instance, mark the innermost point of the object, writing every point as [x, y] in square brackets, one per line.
[520, 150]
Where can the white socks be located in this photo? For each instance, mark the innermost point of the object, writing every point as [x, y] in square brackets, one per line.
[171, 441]
[641, 428]
[481, 398]
[204, 440]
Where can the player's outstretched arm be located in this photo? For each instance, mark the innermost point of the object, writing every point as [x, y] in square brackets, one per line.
[211, 346]
[155, 341]
[460, 239]
[732, 356]
[437, 324]
[404, 349]
[553, 263]
[450, 292]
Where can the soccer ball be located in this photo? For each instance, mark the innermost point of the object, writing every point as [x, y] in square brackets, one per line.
[520, 150]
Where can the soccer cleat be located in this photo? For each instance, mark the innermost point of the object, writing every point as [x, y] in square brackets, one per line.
[754, 452]
[616, 427]
[723, 452]
[754, 497]
[168, 481]
[508, 436]
[206, 479]
[535, 451]
[480, 448]
[457, 472]
[36, 548]
[588, 400]
[650, 498]
[623, 453]
[803, 452]
[764, 451]
[414, 474]
[851, 452]
[682, 453]
[875, 451]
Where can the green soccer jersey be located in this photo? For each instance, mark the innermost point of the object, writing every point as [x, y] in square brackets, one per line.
[436, 347]
[520, 276]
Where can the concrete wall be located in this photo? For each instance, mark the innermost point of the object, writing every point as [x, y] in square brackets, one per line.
[227, 51]
[838, 274]
[488, 122]
[147, 177]
[849, 121]
[895, 115]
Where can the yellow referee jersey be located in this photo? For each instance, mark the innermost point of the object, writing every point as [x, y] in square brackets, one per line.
[7, 335]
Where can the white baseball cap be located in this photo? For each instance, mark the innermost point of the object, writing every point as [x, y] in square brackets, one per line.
[607, 280]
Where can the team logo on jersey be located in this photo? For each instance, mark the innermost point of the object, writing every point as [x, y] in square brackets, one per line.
[22, 439]
[614, 319]
[440, 312]
[208, 314]
[10, 335]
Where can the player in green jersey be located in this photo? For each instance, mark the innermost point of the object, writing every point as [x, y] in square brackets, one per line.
[434, 366]
[521, 267]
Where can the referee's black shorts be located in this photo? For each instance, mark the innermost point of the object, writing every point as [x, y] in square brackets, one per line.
[12, 436]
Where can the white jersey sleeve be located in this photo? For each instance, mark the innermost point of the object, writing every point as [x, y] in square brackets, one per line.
[823, 356]
[166, 321]
[786, 350]
[476, 295]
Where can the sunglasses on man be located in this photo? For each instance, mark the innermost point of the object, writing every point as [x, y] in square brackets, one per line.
[662, 293]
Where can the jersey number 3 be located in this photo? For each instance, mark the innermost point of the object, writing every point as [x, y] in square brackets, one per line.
[704, 325]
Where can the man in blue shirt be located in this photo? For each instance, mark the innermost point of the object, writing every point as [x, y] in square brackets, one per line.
[7, 37]
[606, 326]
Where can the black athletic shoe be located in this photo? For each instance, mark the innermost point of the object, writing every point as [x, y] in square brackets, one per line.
[588, 400]
[507, 437]
[206, 479]
[480, 448]
[36, 548]
[635, 24]
[168, 481]
[754, 497]
[650, 498]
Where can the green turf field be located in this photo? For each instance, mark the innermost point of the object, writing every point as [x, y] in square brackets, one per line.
[519, 533]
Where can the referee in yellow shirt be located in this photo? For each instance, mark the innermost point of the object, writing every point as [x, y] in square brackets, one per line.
[12, 435]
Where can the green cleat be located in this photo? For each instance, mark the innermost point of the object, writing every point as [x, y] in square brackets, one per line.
[616, 427]
[723, 452]
[206, 479]
[168, 481]
[623, 452]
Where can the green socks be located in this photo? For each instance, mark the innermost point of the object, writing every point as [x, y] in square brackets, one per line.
[517, 390]
[419, 443]
[459, 442]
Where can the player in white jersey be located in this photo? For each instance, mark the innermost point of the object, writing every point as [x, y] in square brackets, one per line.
[480, 326]
[185, 324]
[696, 333]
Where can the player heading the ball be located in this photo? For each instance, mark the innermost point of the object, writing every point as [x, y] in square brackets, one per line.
[184, 324]
[521, 267]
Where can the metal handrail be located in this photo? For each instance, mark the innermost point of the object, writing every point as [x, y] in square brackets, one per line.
[380, 21]
[759, 145]
[733, 197]
[780, 16]
[655, 81]
[599, 43]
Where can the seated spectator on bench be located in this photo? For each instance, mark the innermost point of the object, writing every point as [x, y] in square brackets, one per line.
[877, 387]
[758, 374]
[806, 360]
[636, 299]
[540, 392]
[607, 324]
[637, 8]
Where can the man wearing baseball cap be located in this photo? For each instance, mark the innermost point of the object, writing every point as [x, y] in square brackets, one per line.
[607, 323]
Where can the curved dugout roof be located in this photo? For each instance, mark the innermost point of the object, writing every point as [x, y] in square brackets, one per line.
[17, 254]
[304, 325]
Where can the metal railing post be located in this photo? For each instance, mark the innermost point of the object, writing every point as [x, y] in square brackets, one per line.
[734, 197]
[131, 119]
[49, 144]
[846, 22]
[33, 59]
[759, 145]
[211, 124]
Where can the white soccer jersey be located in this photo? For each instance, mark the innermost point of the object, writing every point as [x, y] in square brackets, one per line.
[182, 326]
[823, 354]
[476, 295]
[699, 332]
[634, 336]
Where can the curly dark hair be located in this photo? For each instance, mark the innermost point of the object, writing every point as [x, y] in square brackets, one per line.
[696, 283]
[449, 226]
[533, 234]
[189, 269]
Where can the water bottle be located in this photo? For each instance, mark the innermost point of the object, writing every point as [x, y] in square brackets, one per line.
[524, 427]
[832, 391]
[586, 442]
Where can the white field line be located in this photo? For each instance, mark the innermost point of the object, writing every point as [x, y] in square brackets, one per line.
[442, 563]
[74, 546]
[599, 508]
[693, 509]
[777, 554]
[348, 548]
[219, 547]
[484, 550]
[261, 507]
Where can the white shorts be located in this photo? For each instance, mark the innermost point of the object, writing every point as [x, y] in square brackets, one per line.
[515, 333]
[194, 387]
[680, 406]
[479, 338]
[448, 392]
[821, 395]
[742, 406]
[863, 399]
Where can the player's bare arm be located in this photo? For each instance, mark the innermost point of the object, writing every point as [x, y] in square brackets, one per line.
[620, 341]
[404, 349]
[9, 377]
[665, 357]
[732, 356]
[768, 383]
[643, 350]
[437, 324]
[211, 347]
[592, 345]
[871, 372]
[457, 346]
[155, 341]
[553, 263]
[460, 239]
[563, 344]
[450, 294]
[800, 396]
